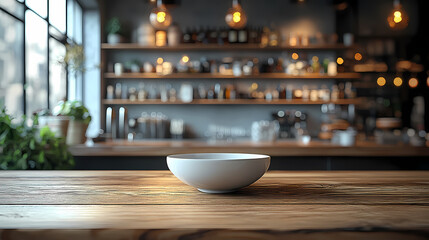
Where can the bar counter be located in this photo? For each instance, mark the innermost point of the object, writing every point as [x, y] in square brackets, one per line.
[279, 148]
[156, 205]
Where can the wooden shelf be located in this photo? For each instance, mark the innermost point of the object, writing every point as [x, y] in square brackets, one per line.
[216, 47]
[220, 76]
[230, 102]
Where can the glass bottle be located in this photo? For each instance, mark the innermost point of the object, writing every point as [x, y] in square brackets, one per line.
[334, 93]
[243, 35]
[187, 36]
[232, 36]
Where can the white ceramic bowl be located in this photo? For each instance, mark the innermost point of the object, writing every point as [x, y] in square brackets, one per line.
[218, 172]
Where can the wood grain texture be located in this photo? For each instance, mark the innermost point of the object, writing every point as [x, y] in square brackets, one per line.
[297, 205]
[279, 148]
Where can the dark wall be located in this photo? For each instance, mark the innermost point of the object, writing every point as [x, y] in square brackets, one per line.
[277, 163]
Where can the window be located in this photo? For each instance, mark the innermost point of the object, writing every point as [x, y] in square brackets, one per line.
[33, 36]
[11, 64]
[36, 62]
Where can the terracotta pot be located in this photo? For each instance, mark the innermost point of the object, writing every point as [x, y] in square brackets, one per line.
[58, 124]
[76, 132]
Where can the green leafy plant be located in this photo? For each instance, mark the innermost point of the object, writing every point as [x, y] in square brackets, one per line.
[114, 26]
[73, 109]
[28, 147]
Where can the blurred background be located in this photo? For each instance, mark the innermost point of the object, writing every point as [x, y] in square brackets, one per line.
[327, 84]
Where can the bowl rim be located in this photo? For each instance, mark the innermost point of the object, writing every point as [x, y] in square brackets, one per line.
[194, 157]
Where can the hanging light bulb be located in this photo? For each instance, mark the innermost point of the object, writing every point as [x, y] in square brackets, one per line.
[159, 17]
[236, 17]
[398, 18]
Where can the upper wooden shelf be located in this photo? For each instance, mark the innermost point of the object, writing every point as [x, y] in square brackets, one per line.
[230, 102]
[216, 47]
[220, 76]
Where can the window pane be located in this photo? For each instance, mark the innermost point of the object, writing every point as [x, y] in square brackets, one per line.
[39, 6]
[57, 14]
[11, 67]
[75, 85]
[36, 31]
[13, 7]
[78, 24]
[57, 74]
[70, 17]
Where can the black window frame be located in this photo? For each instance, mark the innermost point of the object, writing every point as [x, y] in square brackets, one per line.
[65, 39]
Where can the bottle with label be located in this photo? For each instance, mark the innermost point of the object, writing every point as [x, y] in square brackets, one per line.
[253, 35]
[282, 92]
[187, 36]
[132, 94]
[222, 36]
[350, 92]
[265, 37]
[228, 92]
[273, 38]
[210, 93]
[194, 35]
[305, 93]
[142, 95]
[110, 92]
[201, 36]
[341, 94]
[315, 65]
[243, 36]
[279, 65]
[334, 93]
[232, 36]
[118, 90]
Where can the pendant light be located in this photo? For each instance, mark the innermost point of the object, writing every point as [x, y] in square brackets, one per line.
[398, 18]
[236, 17]
[159, 17]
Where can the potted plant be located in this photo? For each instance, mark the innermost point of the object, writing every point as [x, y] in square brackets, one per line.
[30, 147]
[133, 66]
[114, 30]
[57, 124]
[79, 120]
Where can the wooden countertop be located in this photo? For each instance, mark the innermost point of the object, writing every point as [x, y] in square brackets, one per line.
[278, 148]
[156, 205]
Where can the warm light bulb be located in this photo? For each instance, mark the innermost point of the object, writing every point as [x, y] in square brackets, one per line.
[397, 81]
[295, 56]
[397, 19]
[358, 56]
[397, 16]
[185, 59]
[340, 61]
[236, 17]
[159, 17]
[381, 81]
[413, 82]
[254, 86]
